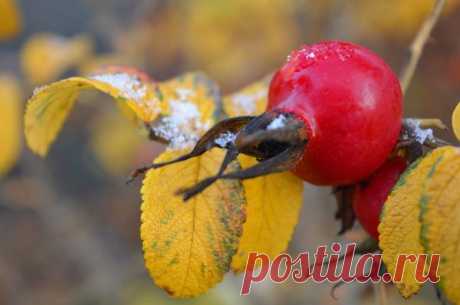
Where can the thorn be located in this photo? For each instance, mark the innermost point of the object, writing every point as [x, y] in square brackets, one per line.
[139, 171]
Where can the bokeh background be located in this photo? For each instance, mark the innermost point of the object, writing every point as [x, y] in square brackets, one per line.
[69, 224]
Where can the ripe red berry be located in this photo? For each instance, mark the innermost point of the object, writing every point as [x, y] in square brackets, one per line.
[351, 103]
[370, 196]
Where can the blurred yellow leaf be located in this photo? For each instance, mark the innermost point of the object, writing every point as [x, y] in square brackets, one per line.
[230, 40]
[235, 39]
[49, 106]
[456, 121]
[116, 143]
[191, 101]
[45, 56]
[102, 61]
[189, 246]
[273, 207]
[441, 219]
[400, 19]
[10, 19]
[10, 118]
[400, 225]
[251, 100]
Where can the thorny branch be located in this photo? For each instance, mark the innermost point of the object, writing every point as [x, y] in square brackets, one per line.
[418, 44]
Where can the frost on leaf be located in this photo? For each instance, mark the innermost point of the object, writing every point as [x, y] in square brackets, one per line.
[400, 224]
[50, 105]
[441, 219]
[131, 88]
[182, 126]
[10, 114]
[190, 102]
[251, 100]
[273, 208]
[189, 246]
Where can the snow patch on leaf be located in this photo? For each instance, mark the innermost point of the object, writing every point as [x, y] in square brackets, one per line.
[129, 86]
[183, 126]
[247, 102]
[183, 93]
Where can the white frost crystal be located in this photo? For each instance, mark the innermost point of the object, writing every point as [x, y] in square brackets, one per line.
[225, 138]
[130, 86]
[247, 102]
[421, 135]
[183, 126]
[277, 123]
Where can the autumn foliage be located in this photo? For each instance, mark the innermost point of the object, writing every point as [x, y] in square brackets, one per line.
[189, 247]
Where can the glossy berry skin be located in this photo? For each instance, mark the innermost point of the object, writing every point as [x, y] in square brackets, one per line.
[369, 197]
[351, 103]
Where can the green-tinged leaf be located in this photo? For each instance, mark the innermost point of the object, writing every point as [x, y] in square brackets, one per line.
[400, 225]
[49, 106]
[441, 220]
[189, 246]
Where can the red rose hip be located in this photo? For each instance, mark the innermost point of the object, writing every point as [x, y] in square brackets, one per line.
[333, 117]
[370, 196]
[351, 104]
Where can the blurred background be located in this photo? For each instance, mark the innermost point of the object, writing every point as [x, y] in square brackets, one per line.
[69, 224]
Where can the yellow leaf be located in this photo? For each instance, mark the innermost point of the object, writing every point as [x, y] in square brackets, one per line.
[189, 246]
[49, 106]
[191, 101]
[251, 100]
[273, 207]
[456, 121]
[441, 220]
[45, 56]
[10, 19]
[10, 113]
[400, 225]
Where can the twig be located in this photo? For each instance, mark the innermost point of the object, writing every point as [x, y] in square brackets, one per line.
[416, 48]
[381, 293]
[431, 123]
